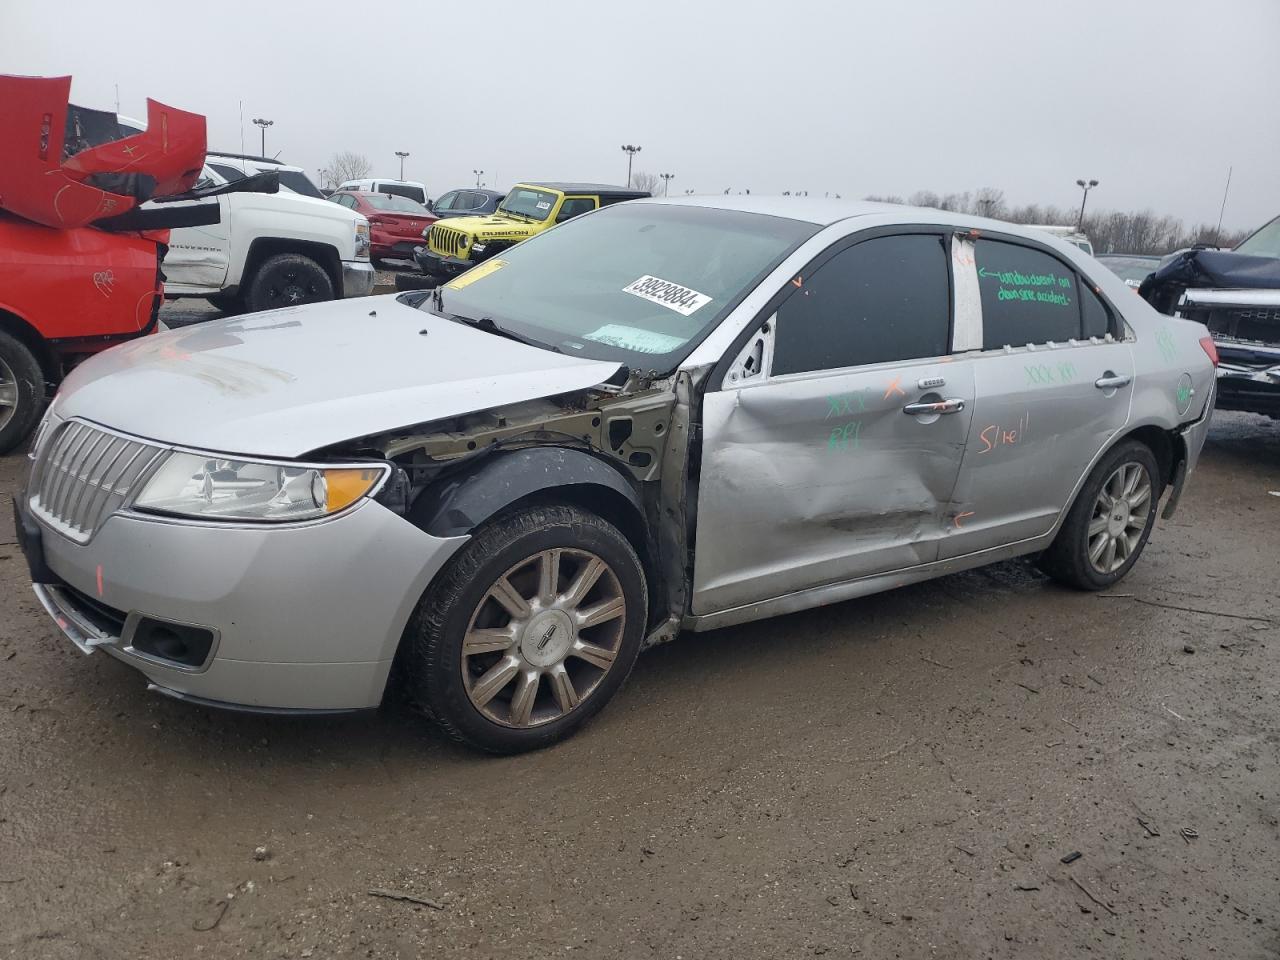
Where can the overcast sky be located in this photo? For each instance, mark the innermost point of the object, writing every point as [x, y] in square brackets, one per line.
[1154, 98]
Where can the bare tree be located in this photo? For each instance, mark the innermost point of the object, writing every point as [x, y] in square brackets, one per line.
[347, 165]
[645, 181]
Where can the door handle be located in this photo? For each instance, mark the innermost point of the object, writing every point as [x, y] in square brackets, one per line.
[1111, 381]
[937, 406]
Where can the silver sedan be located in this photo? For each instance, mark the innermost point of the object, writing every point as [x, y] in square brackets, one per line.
[664, 415]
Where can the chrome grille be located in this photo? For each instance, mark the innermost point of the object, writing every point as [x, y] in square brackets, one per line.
[83, 475]
[447, 241]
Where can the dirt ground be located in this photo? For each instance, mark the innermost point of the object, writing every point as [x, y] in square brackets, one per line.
[898, 776]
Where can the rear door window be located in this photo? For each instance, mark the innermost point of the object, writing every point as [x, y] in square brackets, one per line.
[1027, 296]
[888, 298]
[1094, 313]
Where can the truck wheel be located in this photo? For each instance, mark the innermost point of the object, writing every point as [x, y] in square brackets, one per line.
[226, 302]
[21, 391]
[288, 280]
[529, 630]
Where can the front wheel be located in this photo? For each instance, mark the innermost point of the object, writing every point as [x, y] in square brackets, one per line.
[288, 280]
[1108, 525]
[21, 391]
[530, 630]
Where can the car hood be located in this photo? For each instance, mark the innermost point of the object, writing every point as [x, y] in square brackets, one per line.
[495, 227]
[286, 382]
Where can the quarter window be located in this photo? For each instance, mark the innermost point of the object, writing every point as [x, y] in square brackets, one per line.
[1027, 296]
[879, 300]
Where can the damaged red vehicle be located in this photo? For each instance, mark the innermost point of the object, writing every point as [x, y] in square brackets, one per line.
[79, 260]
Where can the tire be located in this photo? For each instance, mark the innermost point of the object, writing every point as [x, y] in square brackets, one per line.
[465, 693]
[1091, 525]
[416, 281]
[226, 302]
[21, 391]
[288, 280]
[377, 263]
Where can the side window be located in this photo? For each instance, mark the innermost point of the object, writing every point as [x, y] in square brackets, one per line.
[1096, 316]
[883, 299]
[573, 206]
[1027, 296]
[468, 200]
[446, 202]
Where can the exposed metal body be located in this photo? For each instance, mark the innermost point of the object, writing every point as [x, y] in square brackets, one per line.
[747, 494]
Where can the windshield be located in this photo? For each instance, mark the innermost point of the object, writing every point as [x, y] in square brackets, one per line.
[527, 202]
[394, 204]
[636, 283]
[1264, 243]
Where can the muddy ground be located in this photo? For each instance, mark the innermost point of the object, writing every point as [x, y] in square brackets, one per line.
[898, 776]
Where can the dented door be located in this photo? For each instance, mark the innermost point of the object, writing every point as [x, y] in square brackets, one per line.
[817, 476]
[199, 257]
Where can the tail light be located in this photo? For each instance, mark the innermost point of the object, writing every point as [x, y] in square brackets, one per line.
[1211, 348]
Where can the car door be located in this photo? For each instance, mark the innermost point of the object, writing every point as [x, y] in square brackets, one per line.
[1053, 383]
[198, 257]
[830, 445]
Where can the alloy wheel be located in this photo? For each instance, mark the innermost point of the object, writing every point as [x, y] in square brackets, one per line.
[1120, 516]
[543, 637]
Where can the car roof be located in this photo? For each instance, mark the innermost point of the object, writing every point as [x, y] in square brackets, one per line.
[823, 212]
[602, 188]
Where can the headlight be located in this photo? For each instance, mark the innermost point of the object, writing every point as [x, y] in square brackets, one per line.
[214, 488]
[362, 238]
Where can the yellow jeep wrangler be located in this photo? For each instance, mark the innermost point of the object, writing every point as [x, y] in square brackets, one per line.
[457, 244]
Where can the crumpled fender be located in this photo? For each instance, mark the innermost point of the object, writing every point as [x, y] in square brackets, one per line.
[56, 183]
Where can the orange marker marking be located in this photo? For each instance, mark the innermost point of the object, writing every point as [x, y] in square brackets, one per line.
[798, 282]
[99, 579]
[895, 386]
[961, 516]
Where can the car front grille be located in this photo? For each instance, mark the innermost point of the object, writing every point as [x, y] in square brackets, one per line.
[446, 241]
[1259, 324]
[83, 475]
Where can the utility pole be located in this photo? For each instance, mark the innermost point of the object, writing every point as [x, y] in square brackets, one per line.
[1086, 187]
[479, 174]
[263, 124]
[666, 182]
[402, 154]
[630, 150]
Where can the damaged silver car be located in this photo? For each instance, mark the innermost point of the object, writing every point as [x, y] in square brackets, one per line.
[664, 415]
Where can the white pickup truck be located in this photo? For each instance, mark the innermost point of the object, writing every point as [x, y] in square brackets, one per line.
[269, 249]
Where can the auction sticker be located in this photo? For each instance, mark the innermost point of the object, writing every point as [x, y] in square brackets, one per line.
[633, 338]
[478, 272]
[667, 294]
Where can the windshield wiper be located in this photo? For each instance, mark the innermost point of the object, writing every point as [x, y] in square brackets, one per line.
[488, 326]
[522, 216]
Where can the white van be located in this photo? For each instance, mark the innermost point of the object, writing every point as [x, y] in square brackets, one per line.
[402, 188]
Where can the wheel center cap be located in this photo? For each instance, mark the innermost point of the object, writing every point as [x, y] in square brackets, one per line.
[547, 638]
[1116, 524]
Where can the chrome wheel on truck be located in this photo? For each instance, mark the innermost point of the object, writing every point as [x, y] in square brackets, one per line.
[529, 630]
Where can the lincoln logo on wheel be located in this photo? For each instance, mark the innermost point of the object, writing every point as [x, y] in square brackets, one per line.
[546, 637]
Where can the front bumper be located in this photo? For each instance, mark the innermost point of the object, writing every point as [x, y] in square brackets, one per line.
[305, 618]
[1248, 377]
[358, 278]
[440, 266]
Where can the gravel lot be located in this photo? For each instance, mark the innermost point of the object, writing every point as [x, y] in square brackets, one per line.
[899, 776]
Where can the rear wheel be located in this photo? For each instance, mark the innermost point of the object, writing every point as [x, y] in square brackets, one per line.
[287, 280]
[529, 631]
[1108, 525]
[21, 391]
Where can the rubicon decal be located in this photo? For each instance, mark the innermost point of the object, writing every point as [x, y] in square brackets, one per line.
[667, 294]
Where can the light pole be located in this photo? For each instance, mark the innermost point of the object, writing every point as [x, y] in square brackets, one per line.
[402, 154]
[263, 124]
[479, 174]
[666, 182]
[630, 150]
[1086, 187]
